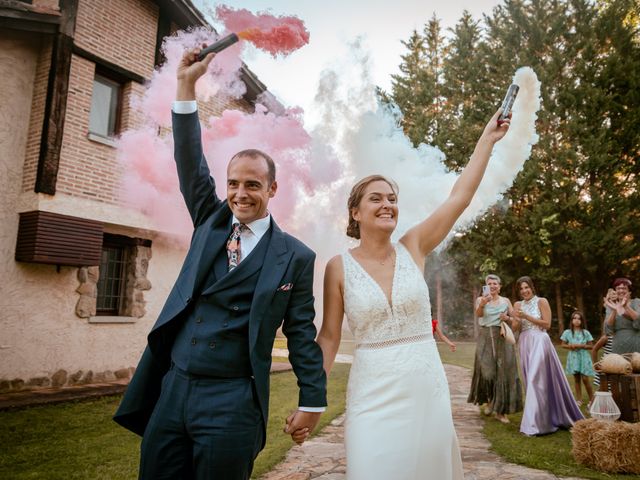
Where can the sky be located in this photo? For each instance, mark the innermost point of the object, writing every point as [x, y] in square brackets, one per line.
[334, 25]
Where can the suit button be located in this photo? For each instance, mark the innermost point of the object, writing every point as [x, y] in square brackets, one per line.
[188, 299]
[225, 324]
[236, 308]
[193, 341]
[212, 345]
[199, 320]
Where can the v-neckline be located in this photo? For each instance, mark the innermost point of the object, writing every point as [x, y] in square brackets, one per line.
[388, 300]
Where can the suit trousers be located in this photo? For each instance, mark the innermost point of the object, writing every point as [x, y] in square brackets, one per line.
[202, 428]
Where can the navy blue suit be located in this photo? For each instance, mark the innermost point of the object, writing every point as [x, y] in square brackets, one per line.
[214, 336]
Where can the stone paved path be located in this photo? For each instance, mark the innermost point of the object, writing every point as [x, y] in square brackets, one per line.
[322, 457]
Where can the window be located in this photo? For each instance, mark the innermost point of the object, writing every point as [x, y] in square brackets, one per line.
[120, 281]
[112, 280]
[105, 107]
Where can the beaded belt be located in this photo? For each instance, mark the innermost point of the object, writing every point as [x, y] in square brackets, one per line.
[527, 325]
[396, 341]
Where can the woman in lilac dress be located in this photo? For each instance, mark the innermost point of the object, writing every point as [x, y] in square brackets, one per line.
[549, 403]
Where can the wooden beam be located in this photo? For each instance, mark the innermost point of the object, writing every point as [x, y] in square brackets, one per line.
[22, 17]
[164, 30]
[116, 72]
[54, 115]
[56, 100]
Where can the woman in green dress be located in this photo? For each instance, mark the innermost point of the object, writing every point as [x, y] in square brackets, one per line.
[495, 372]
[622, 319]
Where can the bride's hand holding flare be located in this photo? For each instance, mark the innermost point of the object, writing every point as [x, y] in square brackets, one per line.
[427, 235]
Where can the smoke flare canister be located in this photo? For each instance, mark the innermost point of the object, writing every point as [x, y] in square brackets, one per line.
[219, 45]
[507, 103]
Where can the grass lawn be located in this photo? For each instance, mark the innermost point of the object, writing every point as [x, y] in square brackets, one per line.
[80, 441]
[462, 357]
[548, 452]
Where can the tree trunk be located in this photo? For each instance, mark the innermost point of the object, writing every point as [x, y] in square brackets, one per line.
[559, 308]
[579, 292]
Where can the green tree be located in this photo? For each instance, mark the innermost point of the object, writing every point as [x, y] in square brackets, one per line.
[570, 220]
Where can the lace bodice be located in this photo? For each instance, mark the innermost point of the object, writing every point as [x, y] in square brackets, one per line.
[530, 307]
[371, 318]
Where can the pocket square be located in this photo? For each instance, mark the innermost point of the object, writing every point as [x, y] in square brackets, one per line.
[284, 288]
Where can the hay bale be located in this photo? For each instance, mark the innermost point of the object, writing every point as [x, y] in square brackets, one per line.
[607, 446]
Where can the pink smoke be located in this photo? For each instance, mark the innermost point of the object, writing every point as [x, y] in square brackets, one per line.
[282, 137]
[276, 35]
[150, 181]
[222, 78]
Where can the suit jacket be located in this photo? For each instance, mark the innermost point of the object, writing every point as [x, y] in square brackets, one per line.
[288, 261]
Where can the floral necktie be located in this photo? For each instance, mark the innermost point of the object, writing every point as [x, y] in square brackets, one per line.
[233, 245]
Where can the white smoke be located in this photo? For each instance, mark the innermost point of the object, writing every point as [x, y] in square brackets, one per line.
[367, 139]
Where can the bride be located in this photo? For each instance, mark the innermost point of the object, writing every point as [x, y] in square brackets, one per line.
[398, 422]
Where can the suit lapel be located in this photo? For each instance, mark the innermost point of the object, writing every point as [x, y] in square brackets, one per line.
[211, 244]
[207, 240]
[273, 269]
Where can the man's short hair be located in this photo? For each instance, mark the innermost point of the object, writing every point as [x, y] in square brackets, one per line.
[255, 153]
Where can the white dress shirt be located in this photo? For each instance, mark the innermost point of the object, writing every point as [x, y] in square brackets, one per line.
[250, 236]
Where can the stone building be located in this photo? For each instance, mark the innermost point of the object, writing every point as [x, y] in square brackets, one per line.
[82, 277]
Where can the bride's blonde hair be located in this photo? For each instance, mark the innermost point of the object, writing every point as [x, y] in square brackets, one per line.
[357, 192]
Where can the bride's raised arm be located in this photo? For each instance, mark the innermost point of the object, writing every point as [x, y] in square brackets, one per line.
[424, 237]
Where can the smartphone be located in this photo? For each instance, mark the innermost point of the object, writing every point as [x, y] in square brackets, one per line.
[485, 290]
[507, 103]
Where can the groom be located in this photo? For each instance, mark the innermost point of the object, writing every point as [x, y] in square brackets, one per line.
[200, 394]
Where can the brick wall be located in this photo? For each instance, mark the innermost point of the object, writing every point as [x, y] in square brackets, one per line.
[88, 168]
[120, 31]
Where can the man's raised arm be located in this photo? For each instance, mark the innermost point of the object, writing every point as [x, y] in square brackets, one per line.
[196, 184]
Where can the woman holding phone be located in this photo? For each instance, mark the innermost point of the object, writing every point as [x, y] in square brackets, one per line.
[495, 371]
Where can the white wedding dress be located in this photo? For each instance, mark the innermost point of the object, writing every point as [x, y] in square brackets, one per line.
[398, 422]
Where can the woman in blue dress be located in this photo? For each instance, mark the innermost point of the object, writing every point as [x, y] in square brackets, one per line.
[578, 341]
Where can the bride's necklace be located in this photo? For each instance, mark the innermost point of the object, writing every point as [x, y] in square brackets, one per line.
[385, 260]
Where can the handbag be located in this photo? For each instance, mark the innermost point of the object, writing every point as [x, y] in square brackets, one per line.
[634, 358]
[613, 363]
[507, 333]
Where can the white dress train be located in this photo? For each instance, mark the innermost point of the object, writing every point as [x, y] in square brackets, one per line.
[398, 423]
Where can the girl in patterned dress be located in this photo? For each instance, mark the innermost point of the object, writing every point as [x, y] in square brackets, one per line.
[578, 340]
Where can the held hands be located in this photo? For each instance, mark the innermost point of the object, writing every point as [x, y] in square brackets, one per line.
[300, 424]
[493, 132]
